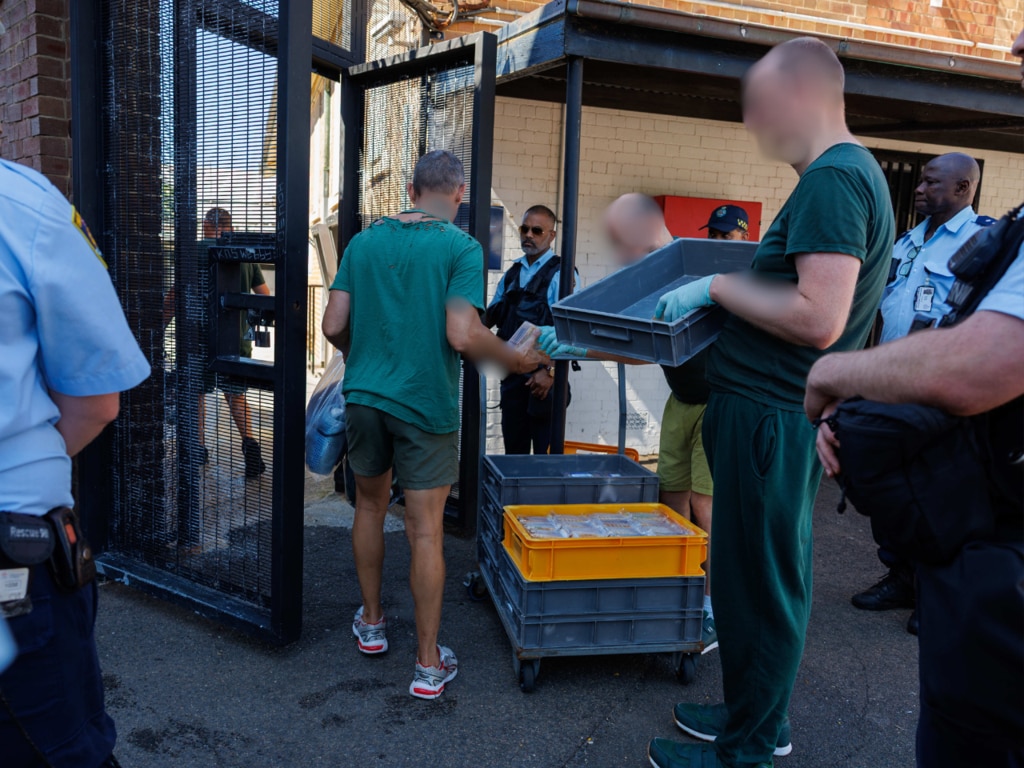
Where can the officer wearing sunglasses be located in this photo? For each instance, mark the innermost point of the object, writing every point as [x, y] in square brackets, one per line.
[525, 294]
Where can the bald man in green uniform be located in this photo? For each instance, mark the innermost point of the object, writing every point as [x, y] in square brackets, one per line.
[815, 285]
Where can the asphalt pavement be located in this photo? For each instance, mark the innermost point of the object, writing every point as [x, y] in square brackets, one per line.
[187, 692]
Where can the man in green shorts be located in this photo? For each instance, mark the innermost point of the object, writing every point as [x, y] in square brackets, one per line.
[815, 284]
[405, 304]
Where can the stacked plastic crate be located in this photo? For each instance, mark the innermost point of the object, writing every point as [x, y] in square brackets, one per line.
[611, 609]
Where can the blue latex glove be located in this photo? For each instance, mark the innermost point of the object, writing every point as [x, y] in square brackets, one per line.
[684, 300]
[552, 347]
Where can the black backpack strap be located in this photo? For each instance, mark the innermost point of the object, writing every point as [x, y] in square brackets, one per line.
[540, 282]
[981, 262]
[511, 279]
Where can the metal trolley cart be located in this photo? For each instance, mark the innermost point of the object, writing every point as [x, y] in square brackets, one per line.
[580, 616]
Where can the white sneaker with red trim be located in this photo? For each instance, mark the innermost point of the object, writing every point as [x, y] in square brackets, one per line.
[370, 638]
[429, 682]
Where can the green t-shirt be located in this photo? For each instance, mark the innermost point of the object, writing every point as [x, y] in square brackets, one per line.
[840, 205]
[401, 277]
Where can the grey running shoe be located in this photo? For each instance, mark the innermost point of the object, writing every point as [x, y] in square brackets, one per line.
[428, 682]
[370, 638]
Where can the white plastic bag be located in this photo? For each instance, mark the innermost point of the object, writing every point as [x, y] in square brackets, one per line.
[325, 420]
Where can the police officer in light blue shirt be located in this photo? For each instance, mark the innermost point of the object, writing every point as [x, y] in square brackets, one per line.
[921, 280]
[915, 298]
[525, 294]
[66, 353]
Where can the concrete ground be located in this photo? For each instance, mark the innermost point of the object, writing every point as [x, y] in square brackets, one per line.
[186, 692]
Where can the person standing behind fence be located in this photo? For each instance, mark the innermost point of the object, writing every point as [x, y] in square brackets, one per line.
[405, 304]
[815, 284]
[66, 353]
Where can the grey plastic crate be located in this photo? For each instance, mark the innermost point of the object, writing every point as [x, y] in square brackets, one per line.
[615, 315]
[558, 599]
[491, 520]
[595, 634]
[573, 479]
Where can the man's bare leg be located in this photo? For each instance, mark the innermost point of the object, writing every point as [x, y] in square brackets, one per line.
[240, 414]
[700, 514]
[424, 527]
[372, 497]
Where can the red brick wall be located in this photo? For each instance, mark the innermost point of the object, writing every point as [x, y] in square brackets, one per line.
[35, 101]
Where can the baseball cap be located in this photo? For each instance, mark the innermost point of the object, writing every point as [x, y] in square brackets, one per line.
[727, 218]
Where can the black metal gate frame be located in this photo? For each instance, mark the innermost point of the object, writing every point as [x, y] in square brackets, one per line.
[293, 48]
[478, 50]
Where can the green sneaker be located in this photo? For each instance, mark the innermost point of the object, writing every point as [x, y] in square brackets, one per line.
[705, 722]
[708, 633]
[665, 753]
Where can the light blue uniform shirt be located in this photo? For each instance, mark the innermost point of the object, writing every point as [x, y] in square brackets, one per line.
[61, 328]
[527, 275]
[928, 266]
[1007, 296]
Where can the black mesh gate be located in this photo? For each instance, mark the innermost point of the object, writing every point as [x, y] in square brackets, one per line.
[395, 110]
[191, 152]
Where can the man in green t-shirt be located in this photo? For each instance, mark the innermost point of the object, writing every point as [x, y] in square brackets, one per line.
[815, 285]
[405, 304]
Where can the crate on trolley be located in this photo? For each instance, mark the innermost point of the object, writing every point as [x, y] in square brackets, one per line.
[594, 616]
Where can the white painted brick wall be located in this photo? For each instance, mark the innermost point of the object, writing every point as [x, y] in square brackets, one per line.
[632, 152]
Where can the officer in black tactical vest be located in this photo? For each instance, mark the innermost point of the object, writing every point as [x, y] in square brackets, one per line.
[525, 294]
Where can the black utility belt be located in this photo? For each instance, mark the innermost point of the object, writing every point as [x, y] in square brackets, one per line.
[28, 541]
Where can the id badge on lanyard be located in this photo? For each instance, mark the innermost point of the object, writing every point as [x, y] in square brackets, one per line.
[924, 296]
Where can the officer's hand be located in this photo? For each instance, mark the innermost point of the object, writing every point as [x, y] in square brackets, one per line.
[540, 383]
[826, 443]
[552, 347]
[684, 299]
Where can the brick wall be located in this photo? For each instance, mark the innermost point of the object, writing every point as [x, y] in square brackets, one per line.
[983, 28]
[35, 105]
[629, 151]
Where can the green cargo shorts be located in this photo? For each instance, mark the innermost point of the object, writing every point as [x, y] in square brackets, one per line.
[378, 441]
[682, 463]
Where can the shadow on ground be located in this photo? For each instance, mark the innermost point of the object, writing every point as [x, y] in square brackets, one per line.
[186, 692]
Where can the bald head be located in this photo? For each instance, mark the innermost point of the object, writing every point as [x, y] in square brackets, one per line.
[948, 185]
[793, 100]
[635, 226]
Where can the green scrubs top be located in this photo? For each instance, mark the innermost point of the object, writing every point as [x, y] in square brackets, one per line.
[840, 205]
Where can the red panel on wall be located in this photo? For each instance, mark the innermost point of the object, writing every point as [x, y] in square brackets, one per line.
[685, 216]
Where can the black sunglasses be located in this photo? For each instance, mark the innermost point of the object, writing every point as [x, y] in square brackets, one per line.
[538, 231]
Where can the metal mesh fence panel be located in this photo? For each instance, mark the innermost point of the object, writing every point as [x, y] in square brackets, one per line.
[190, 142]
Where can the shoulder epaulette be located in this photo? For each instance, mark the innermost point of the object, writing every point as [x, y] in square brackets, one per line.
[984, 221]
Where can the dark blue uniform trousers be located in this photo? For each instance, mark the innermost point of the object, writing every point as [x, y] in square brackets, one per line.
[54, 685]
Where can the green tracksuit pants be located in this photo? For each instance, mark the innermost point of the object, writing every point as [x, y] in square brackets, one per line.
[766, 475]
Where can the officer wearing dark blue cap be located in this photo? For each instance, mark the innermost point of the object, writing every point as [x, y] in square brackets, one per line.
[66, 352]
[728, 222]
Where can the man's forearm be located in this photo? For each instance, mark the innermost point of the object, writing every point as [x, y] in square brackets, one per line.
[778, 308]
[969, 369]
[481, 344]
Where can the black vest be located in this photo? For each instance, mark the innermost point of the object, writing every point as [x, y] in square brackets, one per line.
[520, 304]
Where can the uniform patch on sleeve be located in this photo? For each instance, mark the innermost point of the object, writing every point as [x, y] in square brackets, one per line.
[81, 226]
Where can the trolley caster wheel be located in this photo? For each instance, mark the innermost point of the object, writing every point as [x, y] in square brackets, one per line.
[528, 676]
[686, 668]
[476, 589]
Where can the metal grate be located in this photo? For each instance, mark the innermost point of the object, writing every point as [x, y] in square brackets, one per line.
[189, 115]
[332, 21]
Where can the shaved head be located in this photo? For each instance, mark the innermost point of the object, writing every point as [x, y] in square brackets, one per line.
[793, 101]
[807, 58]
[635, 226]
[948, 184]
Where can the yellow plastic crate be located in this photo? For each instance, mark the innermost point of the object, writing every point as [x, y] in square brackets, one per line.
[632, 557]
